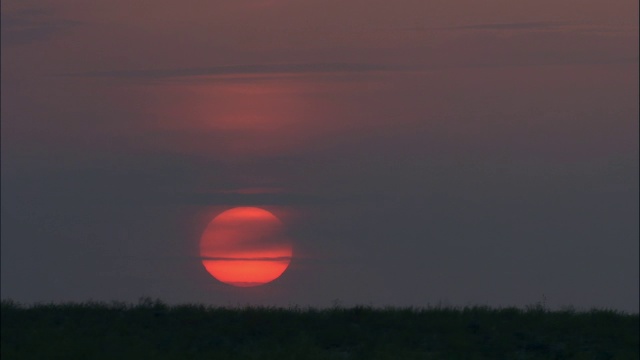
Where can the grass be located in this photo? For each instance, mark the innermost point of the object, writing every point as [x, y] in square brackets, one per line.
[153, 330]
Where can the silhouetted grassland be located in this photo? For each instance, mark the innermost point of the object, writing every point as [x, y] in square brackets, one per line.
[153, 330]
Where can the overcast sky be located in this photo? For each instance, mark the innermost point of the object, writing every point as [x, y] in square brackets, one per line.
[453, 152]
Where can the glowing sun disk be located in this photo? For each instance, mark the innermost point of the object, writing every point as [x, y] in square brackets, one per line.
[245, 246]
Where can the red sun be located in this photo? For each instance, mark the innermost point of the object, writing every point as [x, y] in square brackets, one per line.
[245, 246]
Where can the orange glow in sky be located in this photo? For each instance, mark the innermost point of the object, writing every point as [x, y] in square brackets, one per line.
[245, 246]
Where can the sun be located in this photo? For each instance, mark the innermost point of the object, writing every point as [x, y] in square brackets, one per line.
[245, 246]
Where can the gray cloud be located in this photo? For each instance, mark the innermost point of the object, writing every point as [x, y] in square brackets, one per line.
[286, 198]
[32, 25]
[316, 68]
[517, 26]
[537, 25]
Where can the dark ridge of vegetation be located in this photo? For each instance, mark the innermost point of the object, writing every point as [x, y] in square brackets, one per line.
[153, 330]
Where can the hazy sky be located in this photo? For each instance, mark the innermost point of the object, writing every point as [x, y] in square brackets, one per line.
[418, 152]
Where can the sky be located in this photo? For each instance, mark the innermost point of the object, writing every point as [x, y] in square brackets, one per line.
[440, 152]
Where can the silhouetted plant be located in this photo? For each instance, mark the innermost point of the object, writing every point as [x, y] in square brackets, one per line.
[152, 329]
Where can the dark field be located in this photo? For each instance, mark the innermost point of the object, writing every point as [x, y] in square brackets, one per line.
[153, 330]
